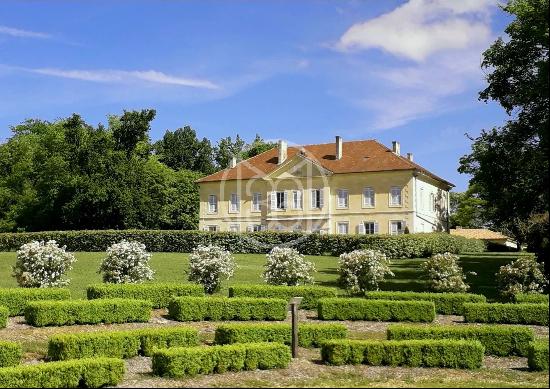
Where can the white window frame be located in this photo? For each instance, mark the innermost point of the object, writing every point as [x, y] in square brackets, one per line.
[370, 190]
[212, 228]
[398, 232]
[316, 198]
[284, 201]
[256, 202]
[234, 207]
[433, 202]
[362, 227]
[400, 189]
[297, 199]
[342, 199]
[212, 204]
[338, 224]
[234, 228]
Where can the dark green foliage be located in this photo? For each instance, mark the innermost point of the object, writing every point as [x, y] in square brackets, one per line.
[506, 313]
[4, 313]
[458, 354]
[16, 299]
[89, 373]
[58, 313]
[499, 340]
[534, 298]
[538, 355]
[375, 310]
[311, 294]
[445, 303]
[181, 362]
[309, 335]
[159, 294]
[223, 308]
[10, 353]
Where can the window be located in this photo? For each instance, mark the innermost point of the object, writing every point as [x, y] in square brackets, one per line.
[278, 200]
[255, 228]
[368, 227]
[397, 227]
[395, 196]
[368, 197]
[317, 199]
[297, 199]
[281, 200]
[235, 203]
[256, 202]
[234, 228]
[212, 204]
[212, 228]
[343, 228]
[433, 202]
[343, 198]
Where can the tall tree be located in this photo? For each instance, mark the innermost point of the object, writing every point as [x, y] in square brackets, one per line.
[257, 146]
[131, 128]
[466, 210]
[226, 149]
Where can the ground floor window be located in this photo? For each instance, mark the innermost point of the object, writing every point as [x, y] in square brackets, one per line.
[212, 228]
[343, 228]
[257, 227]
[397, 227]
[234, 228]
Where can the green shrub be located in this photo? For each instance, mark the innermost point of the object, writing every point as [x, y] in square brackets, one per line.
[461, 354]
[4, 314]
[58, 313]
[499, 340]
[309, 335]
[538, 355]
[190, 361]
[159, 294]
[16, 299]
[90, 373]
[10, 353]
[533, 298]
[445, 303]
[223, 308]
[506, 313]
[375, 310]
[311, 294]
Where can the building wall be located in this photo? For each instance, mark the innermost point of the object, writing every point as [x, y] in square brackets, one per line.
[431, 205]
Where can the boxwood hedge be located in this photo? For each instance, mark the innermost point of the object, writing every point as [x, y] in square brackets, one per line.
[461, 354]
[159, 294]
[375, 310]
[190, 361]
[58, 313]
[10, 353]
[538, 355]
[16, 299]
[4, 313]
[90, 373]
[499, 340]
[311, 294]
[534, 298]
[506, 313]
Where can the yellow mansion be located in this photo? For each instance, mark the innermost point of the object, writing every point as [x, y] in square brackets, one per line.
[358, 187]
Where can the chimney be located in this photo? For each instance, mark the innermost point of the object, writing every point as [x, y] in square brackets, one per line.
[396, 148]
[338, 147]
[282, 152]
[232, 162]
[410, 156]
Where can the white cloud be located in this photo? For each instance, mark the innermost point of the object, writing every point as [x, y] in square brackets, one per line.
[18, 33]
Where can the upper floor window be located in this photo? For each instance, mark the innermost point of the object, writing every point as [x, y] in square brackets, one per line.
[397, 227]
[297, 199]
[212, 204]
[256, 202]
[235, 203]
[316, 198]
[395, 196]
[433, 202]
[368, 197]
[343, 198]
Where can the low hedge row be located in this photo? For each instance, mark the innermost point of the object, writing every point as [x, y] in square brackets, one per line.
[159, 294]
[10, 353]
[395, 246]
[533, 298]
[506, 313]
[190, 361]
[224, 308]
[309, 335]
[375, 310]
[16, 299]
[90, 373]
[4, 313]
[58, 313]
[461, 354]
[445, 303]
[310, 294]
[538, 355]
[499, 340]
[119, 344]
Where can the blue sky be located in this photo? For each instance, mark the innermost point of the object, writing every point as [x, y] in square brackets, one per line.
[303, 71]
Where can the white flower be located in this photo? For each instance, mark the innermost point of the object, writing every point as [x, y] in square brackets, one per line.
[208, 265]
[444, 273]
[363, 270]
[286, 266]
[126, 262]
[524, 275]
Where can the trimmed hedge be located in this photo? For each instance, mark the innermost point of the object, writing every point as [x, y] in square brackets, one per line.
[159, 294]
[499, 340]
[394, 246]
[119, 344]
[532, 298]
[16, 299]
[375, 310]
[538, 355]
[58, 313]
[10, 353]
[90, 373]
[445, 303]
[506, 313]
[309, 335]
[224, 308]
[311, 294]
[461, 354]
[4, 313]
[181, 362]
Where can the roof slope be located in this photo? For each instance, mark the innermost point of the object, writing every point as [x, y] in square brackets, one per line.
[478, 233]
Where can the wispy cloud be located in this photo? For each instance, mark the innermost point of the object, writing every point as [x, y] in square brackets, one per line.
[19, 33]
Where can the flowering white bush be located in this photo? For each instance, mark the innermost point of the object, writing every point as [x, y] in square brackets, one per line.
[524, 275]
[363, 270]
[286, 266]
[444, 274]
[209, 265]
[42, 265]
[126, 263]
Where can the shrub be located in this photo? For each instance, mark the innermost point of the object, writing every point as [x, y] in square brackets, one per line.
[375, 310]
[10, 353]
[126, 263]
[311, 294]
[445, 303]
[286, 266]
[223, 308]
[444, 274]
[499, 340]
[58, 313]
[309, 335]
[90, 373]
[159, 294]
[16, 299]
[4, 314]
[538, 355]
[534, 298]
[181, 362]
[42, 265]
[363, 270]
[209, 265]
[524, 275]
[506, 313]
[119, 344]
[458, 354]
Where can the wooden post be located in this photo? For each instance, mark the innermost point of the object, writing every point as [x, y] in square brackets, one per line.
[294, 303]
